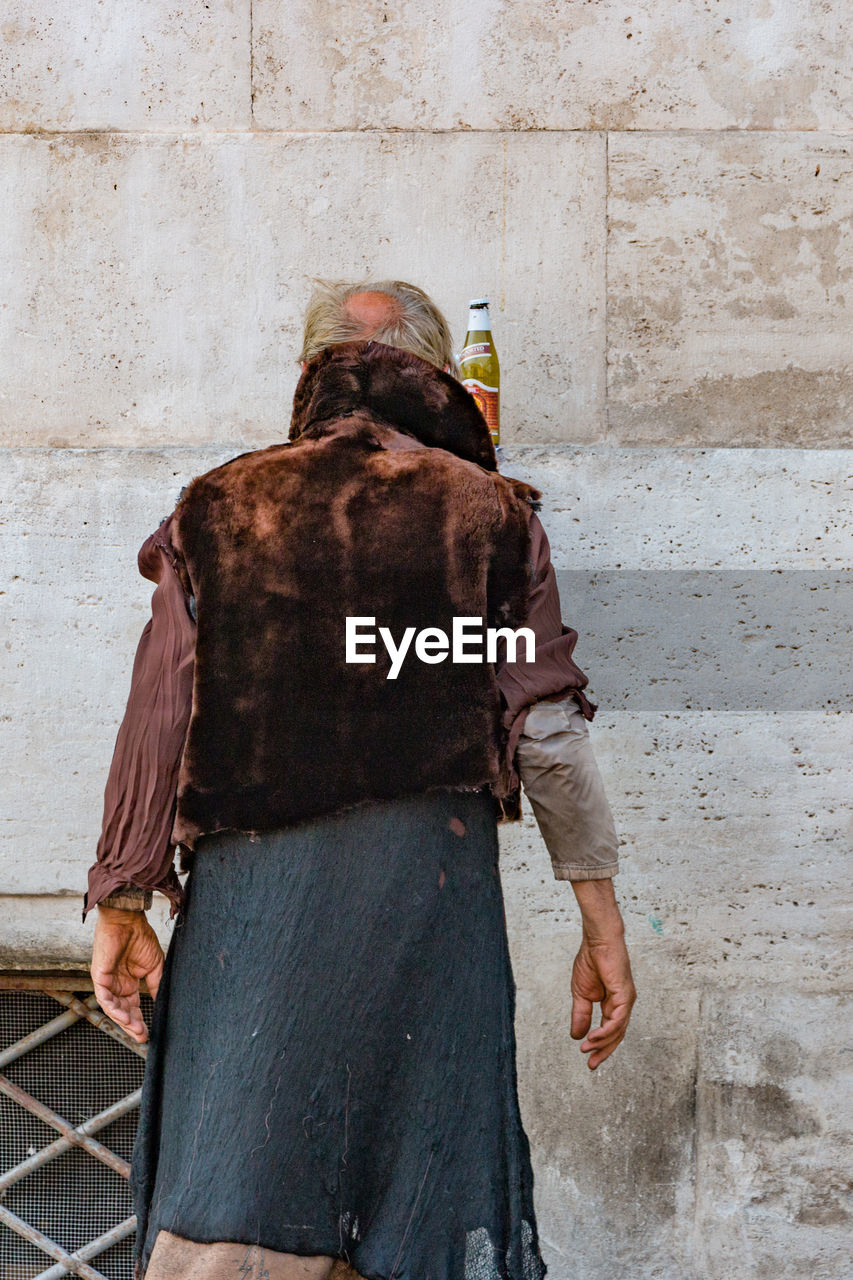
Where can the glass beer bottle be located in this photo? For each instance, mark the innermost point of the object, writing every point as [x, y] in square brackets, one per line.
[478, 362]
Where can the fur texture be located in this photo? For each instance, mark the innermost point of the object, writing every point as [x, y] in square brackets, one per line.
[385, 502]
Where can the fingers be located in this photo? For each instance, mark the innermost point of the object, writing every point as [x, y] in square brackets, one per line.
[581, 1016]
[125, 1011]
[601, 1052]
[117, 992]
[152, 979]
[609, 1030]
[602, 1040]
[614, 1020]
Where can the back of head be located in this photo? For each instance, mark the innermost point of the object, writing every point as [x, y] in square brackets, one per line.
[390, 311]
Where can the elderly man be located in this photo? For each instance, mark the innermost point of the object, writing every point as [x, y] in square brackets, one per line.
[331, 1083]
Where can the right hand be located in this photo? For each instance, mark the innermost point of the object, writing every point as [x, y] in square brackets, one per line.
[125, 950]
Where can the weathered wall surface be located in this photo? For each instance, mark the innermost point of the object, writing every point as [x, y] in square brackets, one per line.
[658, 199]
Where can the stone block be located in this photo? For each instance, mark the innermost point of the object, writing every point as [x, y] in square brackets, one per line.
[648, 509]
[734, 839]
[774, 1118]
[673, 640]
[729, 312]
[156, 286]
[74, 608]
[44, 931]
[782, 64]
[134, 65]
[612, 1149]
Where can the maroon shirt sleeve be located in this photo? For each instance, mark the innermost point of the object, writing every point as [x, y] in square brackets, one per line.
[135, 845]
[553, 673]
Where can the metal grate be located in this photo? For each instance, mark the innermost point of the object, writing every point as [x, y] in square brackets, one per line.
[70, 1084]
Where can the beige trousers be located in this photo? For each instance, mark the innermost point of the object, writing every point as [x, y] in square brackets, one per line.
[174, 1258]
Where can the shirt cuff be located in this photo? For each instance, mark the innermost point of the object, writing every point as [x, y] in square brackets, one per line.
[129, 898]
[562, 871]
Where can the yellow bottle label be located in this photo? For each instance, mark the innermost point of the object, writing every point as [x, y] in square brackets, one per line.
[488, 402]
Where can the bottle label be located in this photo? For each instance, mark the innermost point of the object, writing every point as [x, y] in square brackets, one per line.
[476, 349]
[488, 402]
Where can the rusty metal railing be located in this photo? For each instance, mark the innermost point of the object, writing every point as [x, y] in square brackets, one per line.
[77, 1262]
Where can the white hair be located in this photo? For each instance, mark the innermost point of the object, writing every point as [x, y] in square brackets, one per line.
[414, 323]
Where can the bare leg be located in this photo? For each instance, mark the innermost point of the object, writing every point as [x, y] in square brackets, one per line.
[175, 1258]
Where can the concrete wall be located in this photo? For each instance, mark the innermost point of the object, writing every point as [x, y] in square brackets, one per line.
[658, 200]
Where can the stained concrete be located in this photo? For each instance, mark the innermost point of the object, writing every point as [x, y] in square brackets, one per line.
[613, 1148]
[137, 65]
[296, 64]
[780, 64]
[729, 266]
[774, 1171]
[42, 930]
[647, 509]
[715, 640]
[734, 838]
[157, 284]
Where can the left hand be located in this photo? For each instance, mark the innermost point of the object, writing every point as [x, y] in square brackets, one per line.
[125, 950]
[602, 971]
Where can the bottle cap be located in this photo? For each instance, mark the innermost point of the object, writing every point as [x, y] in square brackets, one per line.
[479, 302]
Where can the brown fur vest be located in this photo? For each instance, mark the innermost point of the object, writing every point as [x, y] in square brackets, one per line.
[385, 502]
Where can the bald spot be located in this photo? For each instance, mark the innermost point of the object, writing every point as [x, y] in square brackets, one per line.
[373, 310]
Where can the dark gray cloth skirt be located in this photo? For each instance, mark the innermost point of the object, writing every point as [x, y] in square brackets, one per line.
[331, 1066]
